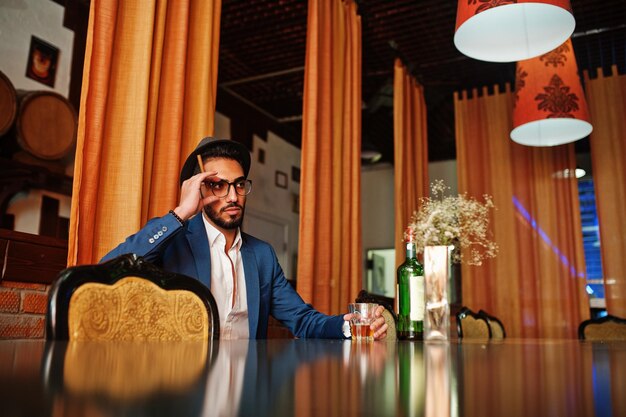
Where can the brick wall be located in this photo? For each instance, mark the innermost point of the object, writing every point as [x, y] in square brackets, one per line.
[29, 264]
[22, 310]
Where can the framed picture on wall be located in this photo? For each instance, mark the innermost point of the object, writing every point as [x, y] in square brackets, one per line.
[43, 59]
[281, 179]
[295, 174]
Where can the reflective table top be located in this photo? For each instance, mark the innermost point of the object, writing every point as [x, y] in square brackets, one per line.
[313, 378]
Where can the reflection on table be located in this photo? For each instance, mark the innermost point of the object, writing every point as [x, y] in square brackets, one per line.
[313, 377]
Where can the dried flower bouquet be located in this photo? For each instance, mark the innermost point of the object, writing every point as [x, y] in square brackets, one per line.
[460, 221]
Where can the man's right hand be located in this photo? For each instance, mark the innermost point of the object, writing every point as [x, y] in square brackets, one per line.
[191, 201]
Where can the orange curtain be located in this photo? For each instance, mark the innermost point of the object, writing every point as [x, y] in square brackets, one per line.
[410, 151]
[148, 97]
[607, 105]
[329, 258]
[536, 284]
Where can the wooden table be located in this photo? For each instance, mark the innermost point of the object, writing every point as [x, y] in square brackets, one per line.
[313, 378]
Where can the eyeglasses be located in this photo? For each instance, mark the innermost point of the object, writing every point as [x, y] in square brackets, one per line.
[222, 188]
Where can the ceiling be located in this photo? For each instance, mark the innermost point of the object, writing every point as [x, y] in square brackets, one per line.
[262, 52]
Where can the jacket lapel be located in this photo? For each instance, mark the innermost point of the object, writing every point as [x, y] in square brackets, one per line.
[253, 295]
[199, 244]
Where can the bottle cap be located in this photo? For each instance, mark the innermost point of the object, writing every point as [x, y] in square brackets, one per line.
[409, 235]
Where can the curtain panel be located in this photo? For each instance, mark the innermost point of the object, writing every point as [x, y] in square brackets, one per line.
[606, 97]
[410, 151]
[148, 97]
[536, 284]
[329, 253]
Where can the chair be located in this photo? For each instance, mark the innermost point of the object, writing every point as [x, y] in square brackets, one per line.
[470, 325]
[129, 299]
[607, 328]
[496, 326]
[388, 315]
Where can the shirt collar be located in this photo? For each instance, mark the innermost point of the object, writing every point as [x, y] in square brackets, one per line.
[215, 236]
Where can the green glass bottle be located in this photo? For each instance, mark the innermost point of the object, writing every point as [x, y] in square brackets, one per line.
[410, 294]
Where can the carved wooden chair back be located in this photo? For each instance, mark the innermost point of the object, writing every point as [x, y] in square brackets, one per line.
[129, 299]
[472, 326]
[605, 328]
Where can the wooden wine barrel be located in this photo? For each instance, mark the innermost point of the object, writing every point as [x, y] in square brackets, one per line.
[8, 104]
[46, 124]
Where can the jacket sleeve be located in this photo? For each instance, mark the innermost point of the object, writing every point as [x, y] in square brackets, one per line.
[301, 318]
[150, 241]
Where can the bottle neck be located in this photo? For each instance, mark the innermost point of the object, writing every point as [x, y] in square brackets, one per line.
[410, 250]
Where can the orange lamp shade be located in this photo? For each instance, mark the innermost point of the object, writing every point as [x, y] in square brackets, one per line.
[511, 30]
[550, 106]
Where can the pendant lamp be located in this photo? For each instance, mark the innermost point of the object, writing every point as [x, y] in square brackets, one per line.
[511, 30]
[550, 106]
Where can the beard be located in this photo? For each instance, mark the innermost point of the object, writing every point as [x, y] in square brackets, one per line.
[232, 223]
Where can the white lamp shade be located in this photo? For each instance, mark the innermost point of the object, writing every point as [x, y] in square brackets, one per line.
[512, 32]
[551, 132]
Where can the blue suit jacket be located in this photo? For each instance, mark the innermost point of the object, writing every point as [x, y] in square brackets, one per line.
[185, 250]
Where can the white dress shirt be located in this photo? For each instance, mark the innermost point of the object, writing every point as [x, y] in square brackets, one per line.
[231, 300]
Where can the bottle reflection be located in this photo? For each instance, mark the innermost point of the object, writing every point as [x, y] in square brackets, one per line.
[411, 379]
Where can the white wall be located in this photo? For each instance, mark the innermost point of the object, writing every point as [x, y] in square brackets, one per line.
[273, 202]
[19, 19]
[26, 207]
[222, 127]
[377, 214]
[377, 207]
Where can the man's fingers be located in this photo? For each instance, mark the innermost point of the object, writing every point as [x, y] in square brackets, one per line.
[199, 178]
[382, 332]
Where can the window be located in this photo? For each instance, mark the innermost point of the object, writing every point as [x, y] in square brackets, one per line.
[591, 243]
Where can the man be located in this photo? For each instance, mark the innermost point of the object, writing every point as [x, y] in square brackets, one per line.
[201, 238]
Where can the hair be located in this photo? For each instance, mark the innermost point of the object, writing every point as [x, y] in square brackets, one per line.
[221, 150]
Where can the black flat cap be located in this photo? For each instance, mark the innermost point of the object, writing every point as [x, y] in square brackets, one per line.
[229, 149]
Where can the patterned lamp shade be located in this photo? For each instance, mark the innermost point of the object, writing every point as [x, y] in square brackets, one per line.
[550, 106]
[511, 30]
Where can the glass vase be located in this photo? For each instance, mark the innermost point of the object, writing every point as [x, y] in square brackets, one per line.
[436, 277]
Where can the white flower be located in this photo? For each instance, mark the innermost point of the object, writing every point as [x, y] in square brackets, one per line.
[460, 221]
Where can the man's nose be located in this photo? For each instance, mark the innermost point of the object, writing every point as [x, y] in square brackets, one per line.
[232, 194]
